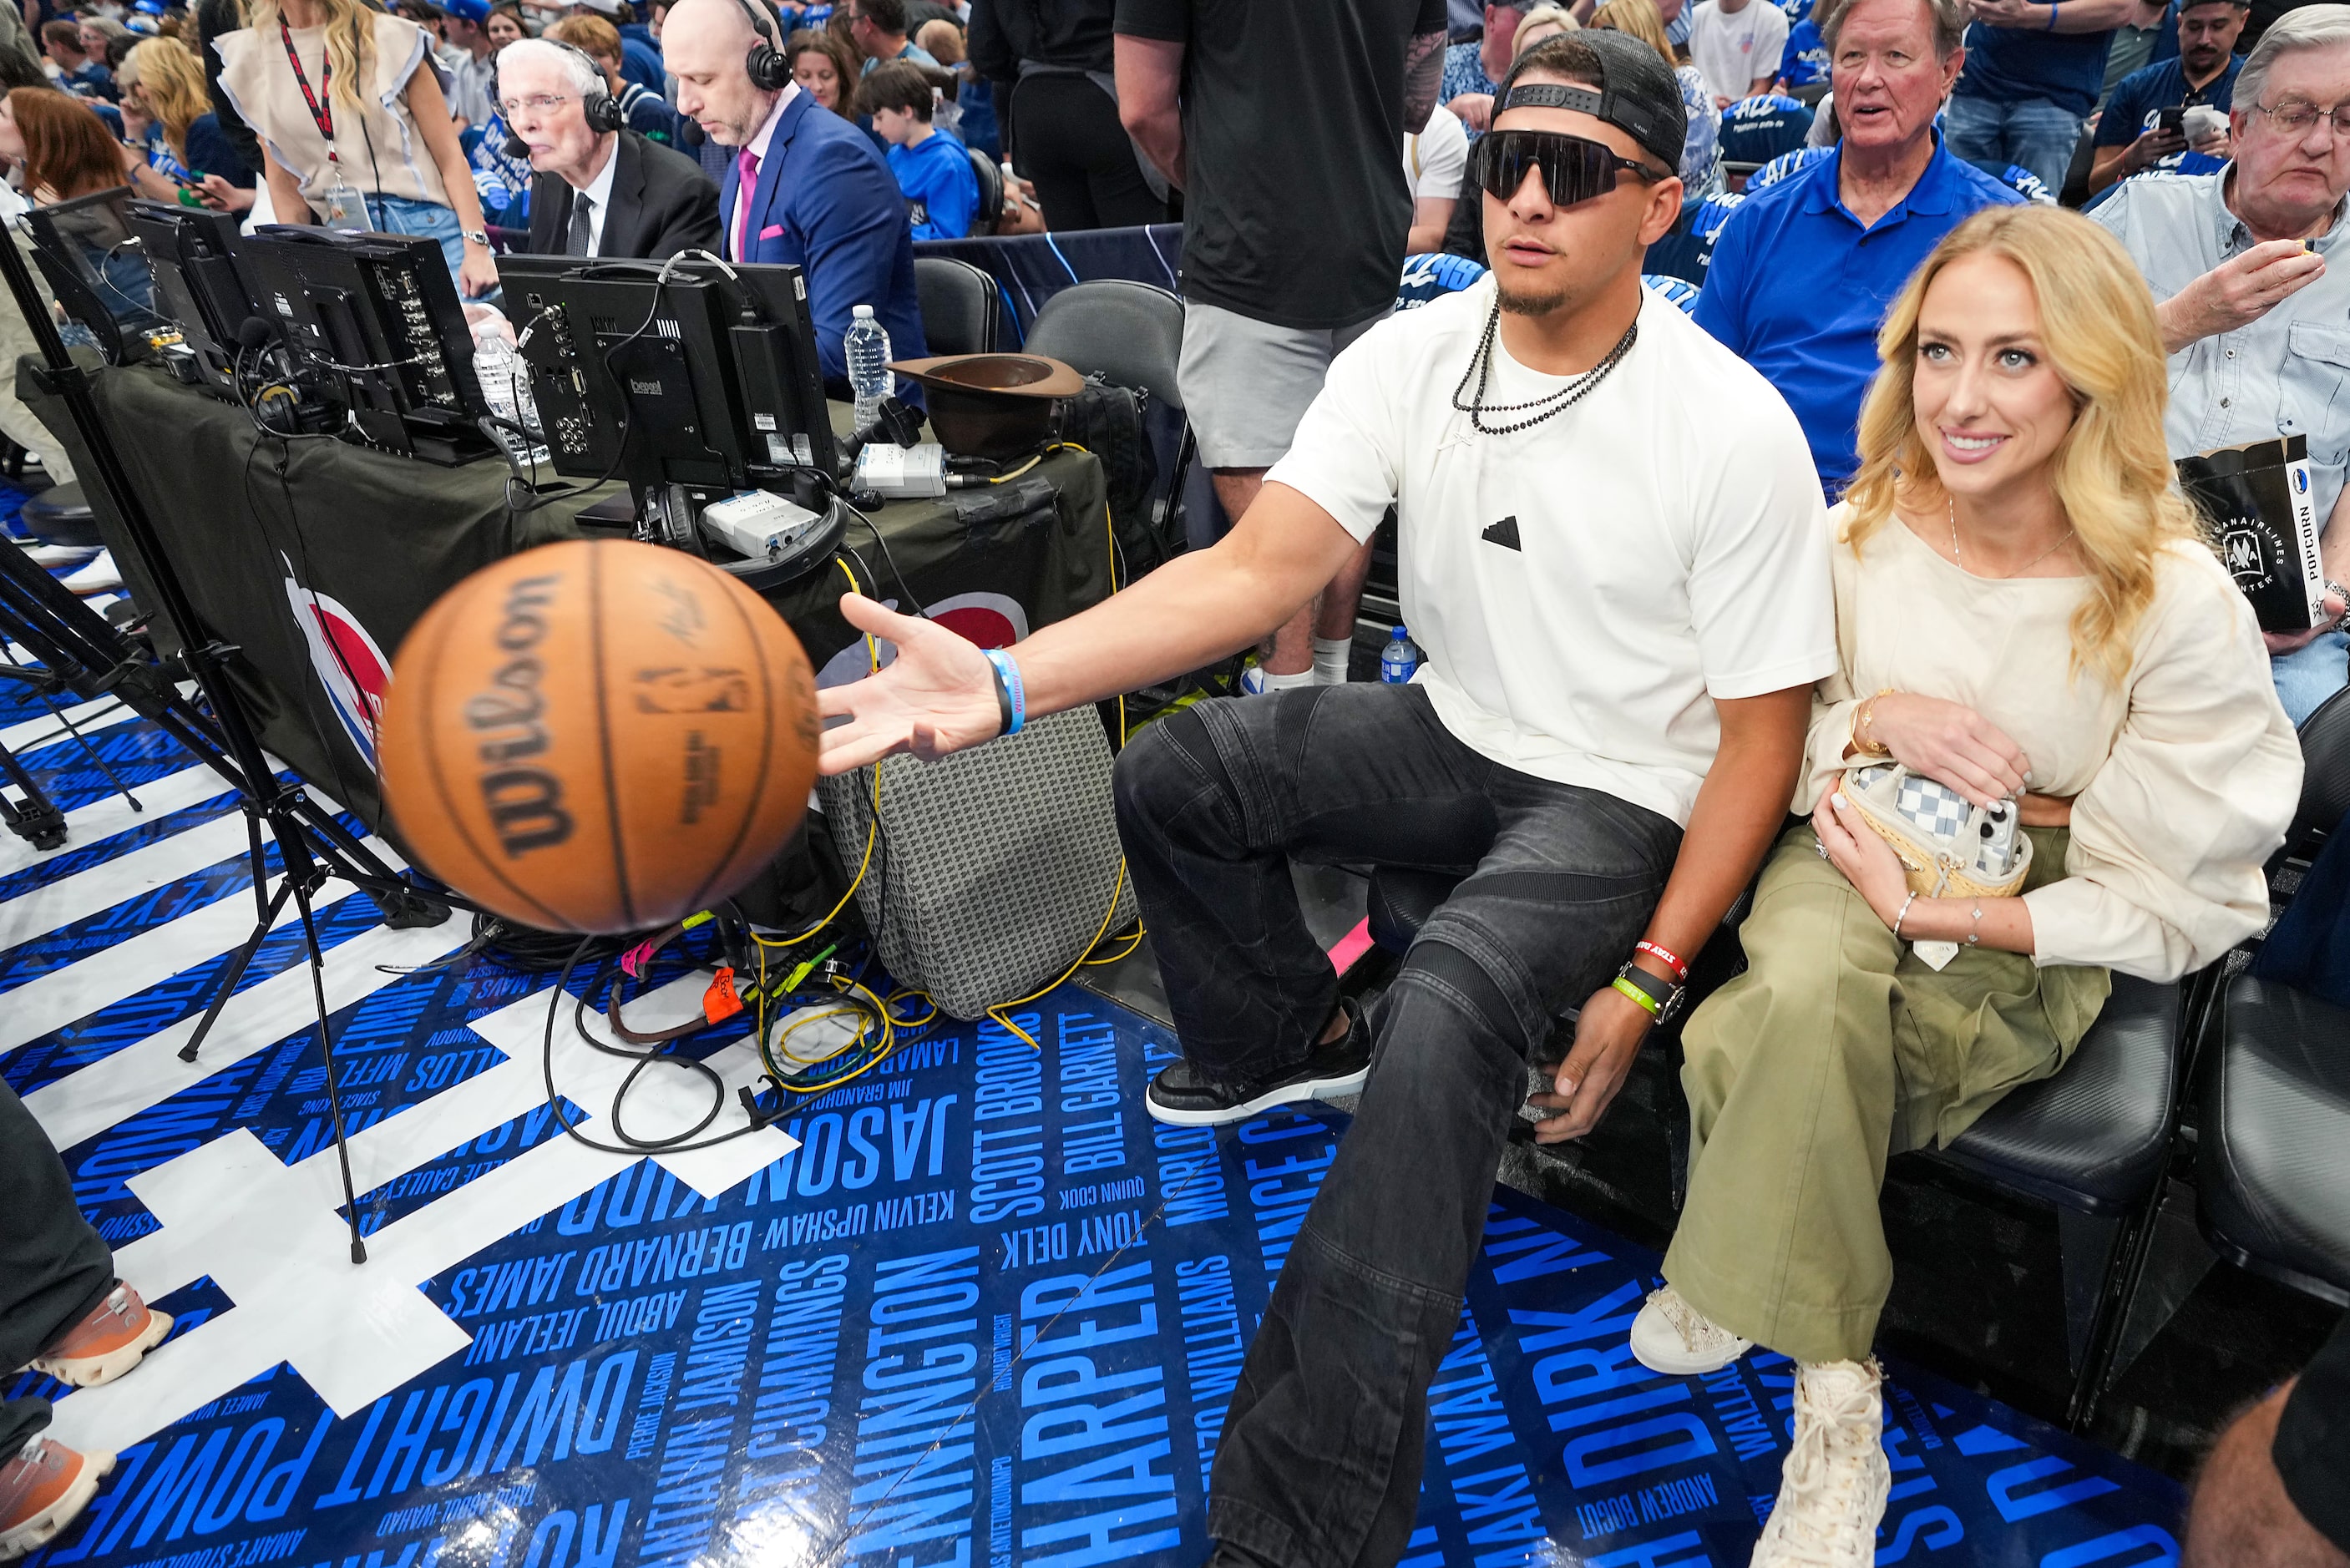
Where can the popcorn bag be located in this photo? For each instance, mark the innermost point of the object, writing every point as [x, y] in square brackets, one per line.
[2255, 501]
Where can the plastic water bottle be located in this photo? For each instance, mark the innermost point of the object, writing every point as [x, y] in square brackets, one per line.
[1398, 659]
[867, 346]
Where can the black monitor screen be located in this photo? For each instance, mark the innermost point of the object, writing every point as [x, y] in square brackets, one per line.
[87, 250]
[379, 314]
[198, 287]
[684, 372]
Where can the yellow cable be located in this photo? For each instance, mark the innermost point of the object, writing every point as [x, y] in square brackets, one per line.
[996, 1011]
[1132, 939]
[872, 828]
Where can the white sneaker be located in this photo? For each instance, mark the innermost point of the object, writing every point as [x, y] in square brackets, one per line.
[1673, 1337]
[1833, 1487]
[98, 577]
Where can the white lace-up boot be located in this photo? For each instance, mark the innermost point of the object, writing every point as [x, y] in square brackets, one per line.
[1673, 1337]
[1833, 1487]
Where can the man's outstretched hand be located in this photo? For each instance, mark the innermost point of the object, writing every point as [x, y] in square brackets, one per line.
[937, 696]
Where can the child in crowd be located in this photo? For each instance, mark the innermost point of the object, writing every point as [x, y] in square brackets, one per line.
[932, 169]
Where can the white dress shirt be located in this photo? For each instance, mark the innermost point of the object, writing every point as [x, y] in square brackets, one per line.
[597, 193]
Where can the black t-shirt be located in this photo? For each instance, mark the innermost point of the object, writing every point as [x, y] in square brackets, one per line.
[2313, 1441]
[1296, 208]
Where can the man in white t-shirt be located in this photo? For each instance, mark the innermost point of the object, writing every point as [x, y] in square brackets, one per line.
[1735, 44]
[1624, 605]
[1435, 161]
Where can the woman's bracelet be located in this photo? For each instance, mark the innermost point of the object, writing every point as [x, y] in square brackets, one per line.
[1904, 913]
[1864, 727]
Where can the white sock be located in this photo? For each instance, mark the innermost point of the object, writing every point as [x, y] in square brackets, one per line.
[1287, 683]
[1330, 655]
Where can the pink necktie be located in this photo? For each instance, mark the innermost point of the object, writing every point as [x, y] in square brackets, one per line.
[746, 182]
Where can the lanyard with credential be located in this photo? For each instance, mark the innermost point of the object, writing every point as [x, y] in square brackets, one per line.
[320, 103]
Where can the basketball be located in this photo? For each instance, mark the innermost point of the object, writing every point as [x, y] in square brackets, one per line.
[598, 736]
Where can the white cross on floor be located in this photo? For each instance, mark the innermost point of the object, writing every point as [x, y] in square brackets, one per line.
[269, 1235]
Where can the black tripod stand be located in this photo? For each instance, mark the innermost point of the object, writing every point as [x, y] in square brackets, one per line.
[93, 657]
[37, 818]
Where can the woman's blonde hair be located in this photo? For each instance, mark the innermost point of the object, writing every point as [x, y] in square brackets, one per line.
[350, 40]
[172, 76]
[1541, 17]
[1641, 19]
[2112, 470]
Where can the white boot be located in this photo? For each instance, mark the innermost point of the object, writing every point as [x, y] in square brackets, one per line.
[1673, 1337]
[1833, 1487]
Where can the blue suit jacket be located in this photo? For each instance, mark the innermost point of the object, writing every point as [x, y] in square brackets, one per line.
[827, 202]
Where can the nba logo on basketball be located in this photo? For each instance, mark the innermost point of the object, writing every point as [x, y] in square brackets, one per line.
[350, 666]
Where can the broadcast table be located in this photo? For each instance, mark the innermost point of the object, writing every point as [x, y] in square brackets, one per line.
[314, 556]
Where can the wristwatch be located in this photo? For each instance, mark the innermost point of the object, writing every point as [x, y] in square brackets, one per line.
[476, 236]
[1661, 998]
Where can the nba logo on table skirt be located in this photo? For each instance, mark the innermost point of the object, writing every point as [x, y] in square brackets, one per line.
[350, 666]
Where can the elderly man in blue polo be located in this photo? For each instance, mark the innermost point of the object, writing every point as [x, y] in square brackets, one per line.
[1804, 270]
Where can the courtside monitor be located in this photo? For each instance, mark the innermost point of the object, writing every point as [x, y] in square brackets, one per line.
[198, 287]
[85, 250]
[377, 317]
[684, 372]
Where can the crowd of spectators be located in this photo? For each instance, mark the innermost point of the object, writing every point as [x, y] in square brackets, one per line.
[396, 115]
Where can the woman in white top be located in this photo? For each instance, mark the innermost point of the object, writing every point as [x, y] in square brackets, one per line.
[347, 102]
[2025, 610]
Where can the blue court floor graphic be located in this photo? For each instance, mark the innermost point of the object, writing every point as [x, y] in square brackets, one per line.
[986, 1311]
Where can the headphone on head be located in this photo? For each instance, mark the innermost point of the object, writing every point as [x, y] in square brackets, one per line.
[765, 66]
[603, 110]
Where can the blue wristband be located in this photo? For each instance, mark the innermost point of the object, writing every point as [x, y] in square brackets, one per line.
[2053, 8]
[1008, 687]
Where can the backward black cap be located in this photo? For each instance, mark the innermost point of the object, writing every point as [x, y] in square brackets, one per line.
[1638, 92]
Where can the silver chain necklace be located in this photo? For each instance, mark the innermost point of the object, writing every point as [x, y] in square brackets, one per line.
[2027, 566]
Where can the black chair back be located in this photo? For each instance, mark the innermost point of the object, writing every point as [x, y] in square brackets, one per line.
[2325, 770]
[990, 212]
[959, 305]
[1129, 334]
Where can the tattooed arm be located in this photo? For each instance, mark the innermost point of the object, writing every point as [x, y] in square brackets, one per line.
[1423, 75]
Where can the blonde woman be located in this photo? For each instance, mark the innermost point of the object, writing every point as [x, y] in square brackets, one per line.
[1542, 22]
[1645, 22]
[166, 116]
[2023, 609]
[347, 102]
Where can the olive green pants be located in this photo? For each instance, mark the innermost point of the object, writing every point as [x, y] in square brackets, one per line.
[1837, 1047]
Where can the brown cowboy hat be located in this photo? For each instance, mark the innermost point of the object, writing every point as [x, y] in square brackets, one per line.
[1007, 375]
[995, 406]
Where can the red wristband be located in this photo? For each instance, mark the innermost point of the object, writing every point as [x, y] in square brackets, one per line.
[1680, 970]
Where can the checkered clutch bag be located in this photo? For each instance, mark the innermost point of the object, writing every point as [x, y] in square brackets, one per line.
[1950, 847]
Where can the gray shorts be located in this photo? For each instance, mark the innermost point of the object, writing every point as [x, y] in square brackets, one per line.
[1246, 383]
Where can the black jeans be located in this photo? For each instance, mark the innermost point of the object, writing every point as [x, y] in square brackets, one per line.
[1069, 141]
[1320, 1462]
[53, 1267]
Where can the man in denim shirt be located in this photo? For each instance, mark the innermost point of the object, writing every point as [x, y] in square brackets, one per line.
[2253, 317]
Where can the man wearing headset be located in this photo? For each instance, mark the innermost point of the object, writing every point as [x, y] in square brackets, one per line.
[804, 187]
[596, 189]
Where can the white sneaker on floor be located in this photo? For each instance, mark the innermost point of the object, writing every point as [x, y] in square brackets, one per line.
[1673, 1337]
[98, 577]
[1833, 1487]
